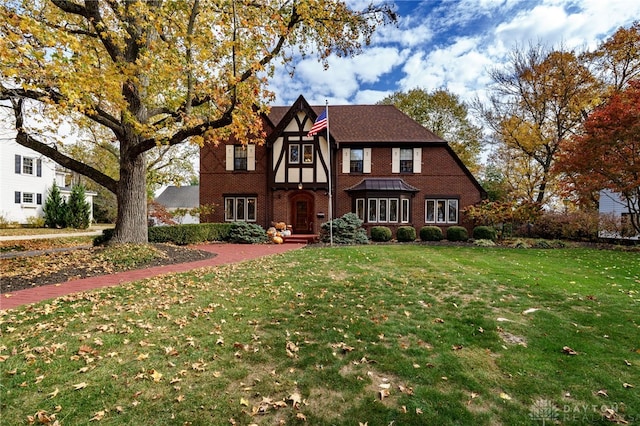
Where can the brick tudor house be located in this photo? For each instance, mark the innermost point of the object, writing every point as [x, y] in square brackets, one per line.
[384, 166]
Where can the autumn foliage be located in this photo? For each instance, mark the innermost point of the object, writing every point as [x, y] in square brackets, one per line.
[607, 154]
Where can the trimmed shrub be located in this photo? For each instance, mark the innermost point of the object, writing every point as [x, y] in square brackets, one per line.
[247, 233]
[346, 230]
[191, 233]
[484, 233]
[431, 233]
[457, 233]
[406, 234]
[380, 234]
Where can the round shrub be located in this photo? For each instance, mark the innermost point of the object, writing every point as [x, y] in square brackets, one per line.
[380, 233]
[484, 233]
[247, 233]
[431, 233]
[457, 233]
[406, 234]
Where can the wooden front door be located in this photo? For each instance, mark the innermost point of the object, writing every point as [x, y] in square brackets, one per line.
[302, 209]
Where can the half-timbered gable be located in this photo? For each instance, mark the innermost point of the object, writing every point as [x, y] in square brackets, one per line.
[376, 161]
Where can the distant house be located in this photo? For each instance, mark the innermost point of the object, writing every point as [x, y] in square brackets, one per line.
[175, 198]
[25, 180]
[378, 163]
[612, 205]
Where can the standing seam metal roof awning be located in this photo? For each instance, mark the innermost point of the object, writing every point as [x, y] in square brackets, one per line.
[376, 184]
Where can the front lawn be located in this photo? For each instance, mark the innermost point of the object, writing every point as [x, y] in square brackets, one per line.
[402, 334]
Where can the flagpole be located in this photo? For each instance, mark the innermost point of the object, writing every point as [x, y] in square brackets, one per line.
[330, 173]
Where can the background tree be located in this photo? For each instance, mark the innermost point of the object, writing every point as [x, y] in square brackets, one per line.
[445, 114]
[538, 101]
[607, 155]
[158, 73]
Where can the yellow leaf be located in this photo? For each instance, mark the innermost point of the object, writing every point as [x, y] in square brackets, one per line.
[97, 416]
[54, 393]
[180, 398]
[80, 386]
[142, 357]
[156, 375]
[244, 402]
[505, 396]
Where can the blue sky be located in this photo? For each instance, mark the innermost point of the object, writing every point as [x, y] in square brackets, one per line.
[451, 44]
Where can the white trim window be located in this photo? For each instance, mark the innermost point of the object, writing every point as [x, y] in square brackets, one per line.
[383, 210]
[441, 210]
[28, 166]
[240, 209]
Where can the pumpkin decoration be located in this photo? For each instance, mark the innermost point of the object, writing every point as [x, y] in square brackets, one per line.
[271, 232]
[277, 239]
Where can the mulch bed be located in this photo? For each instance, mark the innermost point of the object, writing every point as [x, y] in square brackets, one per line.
[73, 270]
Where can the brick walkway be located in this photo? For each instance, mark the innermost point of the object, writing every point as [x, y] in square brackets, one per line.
[225, 253]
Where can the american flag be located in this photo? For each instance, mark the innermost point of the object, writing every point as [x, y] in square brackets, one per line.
[321, 123]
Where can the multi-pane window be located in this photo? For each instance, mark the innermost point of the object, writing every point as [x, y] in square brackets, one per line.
[406, 160]
[356, 160]
[240, 209]
[294, 154]
[27, 166]
[380, 210]
[240, 157]
[307, 153]
[441, 211]
[28, 198]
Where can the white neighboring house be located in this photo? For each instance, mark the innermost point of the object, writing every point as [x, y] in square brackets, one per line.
[181, 197]
[612, 204]
[25, 180]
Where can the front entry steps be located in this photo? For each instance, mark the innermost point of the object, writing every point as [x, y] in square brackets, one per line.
[301, 239]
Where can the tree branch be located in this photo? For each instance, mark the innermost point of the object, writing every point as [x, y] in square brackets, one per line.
[24, 139]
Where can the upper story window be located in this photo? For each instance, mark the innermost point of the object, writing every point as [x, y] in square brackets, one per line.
[307, 153]
[241, 157]
[28, 166]
[406, 160]
[356, 161]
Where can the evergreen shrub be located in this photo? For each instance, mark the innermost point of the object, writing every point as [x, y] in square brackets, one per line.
[346, 230]
[247, 233]
[380, 234]
[457, 233]
[484, 233]
[431, 233]
[406, 234]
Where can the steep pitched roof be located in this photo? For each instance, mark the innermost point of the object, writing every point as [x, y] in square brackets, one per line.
[365, 123]
[180, 197]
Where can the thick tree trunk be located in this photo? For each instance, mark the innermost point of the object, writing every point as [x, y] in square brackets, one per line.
[131, 226]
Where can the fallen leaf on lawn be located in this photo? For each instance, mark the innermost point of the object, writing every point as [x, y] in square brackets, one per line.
[385, 385]
[296, 399]
[54, 393]
[156, 375]
[505, 396]
[602, 392]
[456, 347]
[244, 402]
[530, 311]
[39, 379]
[567, 350]
[80, 386]
[3, 358]
[418, 411]
[406, 390]
[292, 349]
[180, 398]
[142, 357]
[301, 416]
[627, 363]
[438, 320]
[119, 409]
[97, 416]
[363, 424]
[627, 385]
[83, 370]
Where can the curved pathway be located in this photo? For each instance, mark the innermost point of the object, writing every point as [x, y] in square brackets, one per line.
[225, 253]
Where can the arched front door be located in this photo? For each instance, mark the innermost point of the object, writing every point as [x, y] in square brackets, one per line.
[303, 213]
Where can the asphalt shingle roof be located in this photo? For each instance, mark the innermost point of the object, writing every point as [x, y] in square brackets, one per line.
[180, 197]
[367, 124]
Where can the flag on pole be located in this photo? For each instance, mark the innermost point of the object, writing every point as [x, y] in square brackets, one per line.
[321, 123]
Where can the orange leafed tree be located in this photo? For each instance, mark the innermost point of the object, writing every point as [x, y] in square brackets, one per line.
[607, 154]
[157, 73]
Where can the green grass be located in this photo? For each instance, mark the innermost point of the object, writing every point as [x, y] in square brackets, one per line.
[407, 334]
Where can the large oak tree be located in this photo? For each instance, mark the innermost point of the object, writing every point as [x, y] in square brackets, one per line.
[158, 72]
